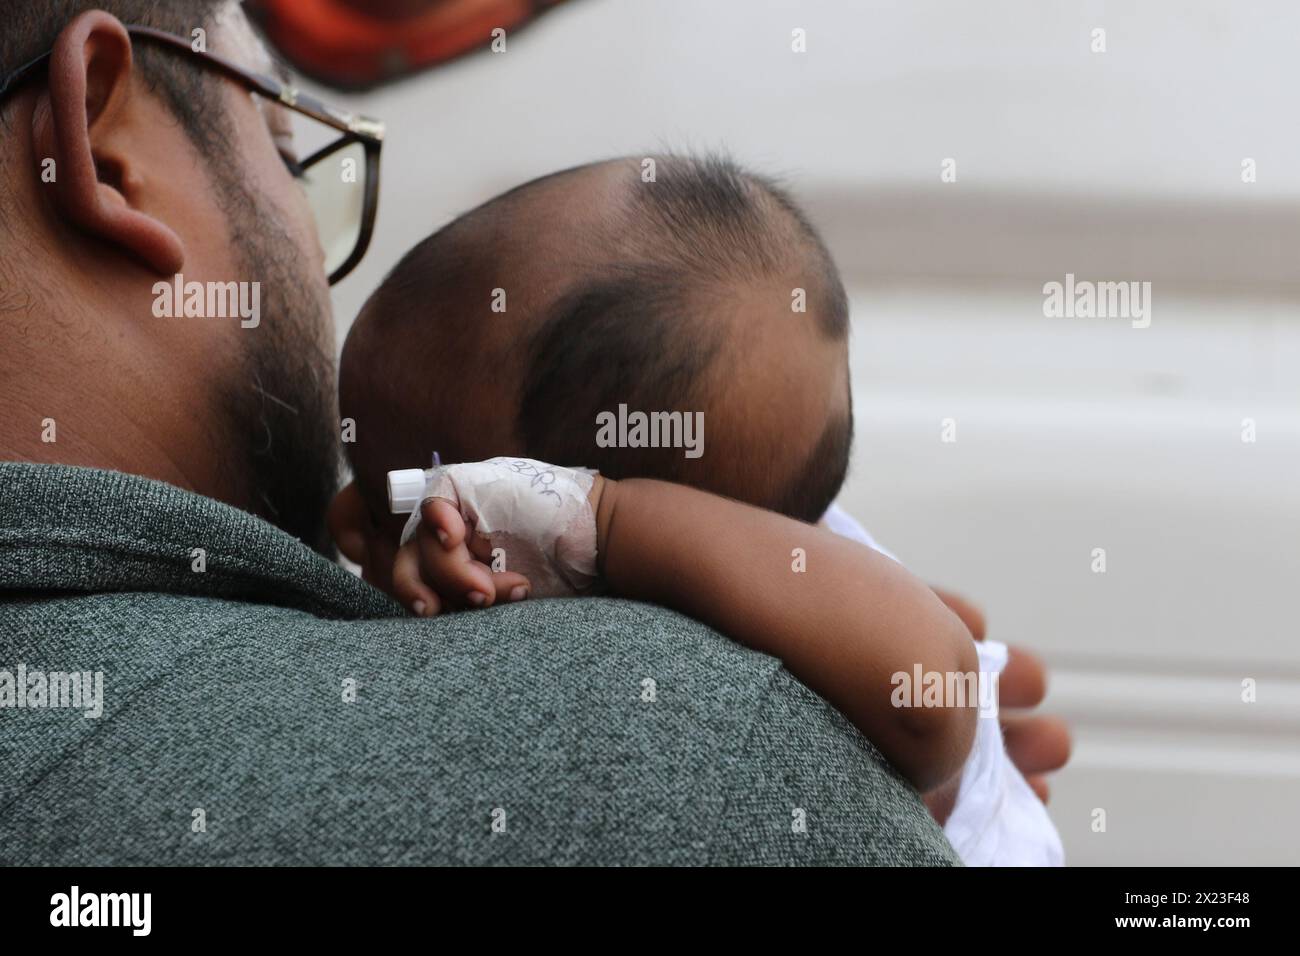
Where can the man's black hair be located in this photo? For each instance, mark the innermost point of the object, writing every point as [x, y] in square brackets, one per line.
[191, 91]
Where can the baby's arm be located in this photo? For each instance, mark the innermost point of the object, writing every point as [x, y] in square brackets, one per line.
[844, 626]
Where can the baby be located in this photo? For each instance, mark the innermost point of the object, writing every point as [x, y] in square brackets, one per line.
[677, 320]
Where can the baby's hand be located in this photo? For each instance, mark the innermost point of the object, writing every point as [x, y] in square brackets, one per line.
[498, 530]
[445, 566]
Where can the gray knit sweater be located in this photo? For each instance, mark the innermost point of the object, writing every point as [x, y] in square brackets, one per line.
[260, 705]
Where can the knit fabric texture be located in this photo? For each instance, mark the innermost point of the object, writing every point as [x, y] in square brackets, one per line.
[262, 705]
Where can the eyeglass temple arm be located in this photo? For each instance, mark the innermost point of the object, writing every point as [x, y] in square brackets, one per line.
[268, 86]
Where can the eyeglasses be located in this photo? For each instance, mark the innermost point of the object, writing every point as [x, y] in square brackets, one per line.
[341, 179]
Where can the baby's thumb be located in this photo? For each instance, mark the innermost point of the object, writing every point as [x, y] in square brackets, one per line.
[510, 586]
[442, 518]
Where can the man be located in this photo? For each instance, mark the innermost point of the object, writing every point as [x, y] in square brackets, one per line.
[240, 698]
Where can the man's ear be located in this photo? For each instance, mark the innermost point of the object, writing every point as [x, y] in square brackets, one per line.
[90, 100]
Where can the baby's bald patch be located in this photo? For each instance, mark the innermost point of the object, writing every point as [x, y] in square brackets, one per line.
[694, 312]
[782, 384]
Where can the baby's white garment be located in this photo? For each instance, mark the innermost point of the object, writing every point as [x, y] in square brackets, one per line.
[997, 819]
[847, 526]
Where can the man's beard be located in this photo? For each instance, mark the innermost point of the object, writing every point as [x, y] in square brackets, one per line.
[281, 403]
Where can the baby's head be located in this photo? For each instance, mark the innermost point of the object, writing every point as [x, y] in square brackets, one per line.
[523, 326]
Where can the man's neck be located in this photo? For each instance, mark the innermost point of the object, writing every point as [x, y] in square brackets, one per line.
[61, 407]
[55, 436]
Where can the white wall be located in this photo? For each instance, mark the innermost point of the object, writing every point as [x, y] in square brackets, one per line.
[885, 92]
[1075, 434]
[1072, 434]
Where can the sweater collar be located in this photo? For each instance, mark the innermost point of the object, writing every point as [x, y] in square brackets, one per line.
[86, 530]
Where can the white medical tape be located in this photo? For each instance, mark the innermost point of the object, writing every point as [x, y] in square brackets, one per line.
[538, 514]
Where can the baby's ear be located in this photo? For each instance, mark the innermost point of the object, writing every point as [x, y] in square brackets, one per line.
[350, 523]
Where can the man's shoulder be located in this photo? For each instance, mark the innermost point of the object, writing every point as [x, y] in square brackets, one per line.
[580, 731]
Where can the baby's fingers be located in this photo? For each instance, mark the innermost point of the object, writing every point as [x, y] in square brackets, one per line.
[447, 566]
[409, 586]
[510, 586]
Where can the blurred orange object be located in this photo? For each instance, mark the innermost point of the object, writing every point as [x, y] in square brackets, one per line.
[355, 44]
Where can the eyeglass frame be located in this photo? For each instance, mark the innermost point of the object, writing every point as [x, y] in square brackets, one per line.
[354, 127]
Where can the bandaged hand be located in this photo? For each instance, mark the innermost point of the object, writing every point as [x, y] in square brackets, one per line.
[502, 529]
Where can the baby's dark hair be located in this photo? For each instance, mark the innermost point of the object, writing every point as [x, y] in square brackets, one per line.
[649, 299]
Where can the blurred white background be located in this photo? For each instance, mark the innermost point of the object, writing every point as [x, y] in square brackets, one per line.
[1072, 434]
